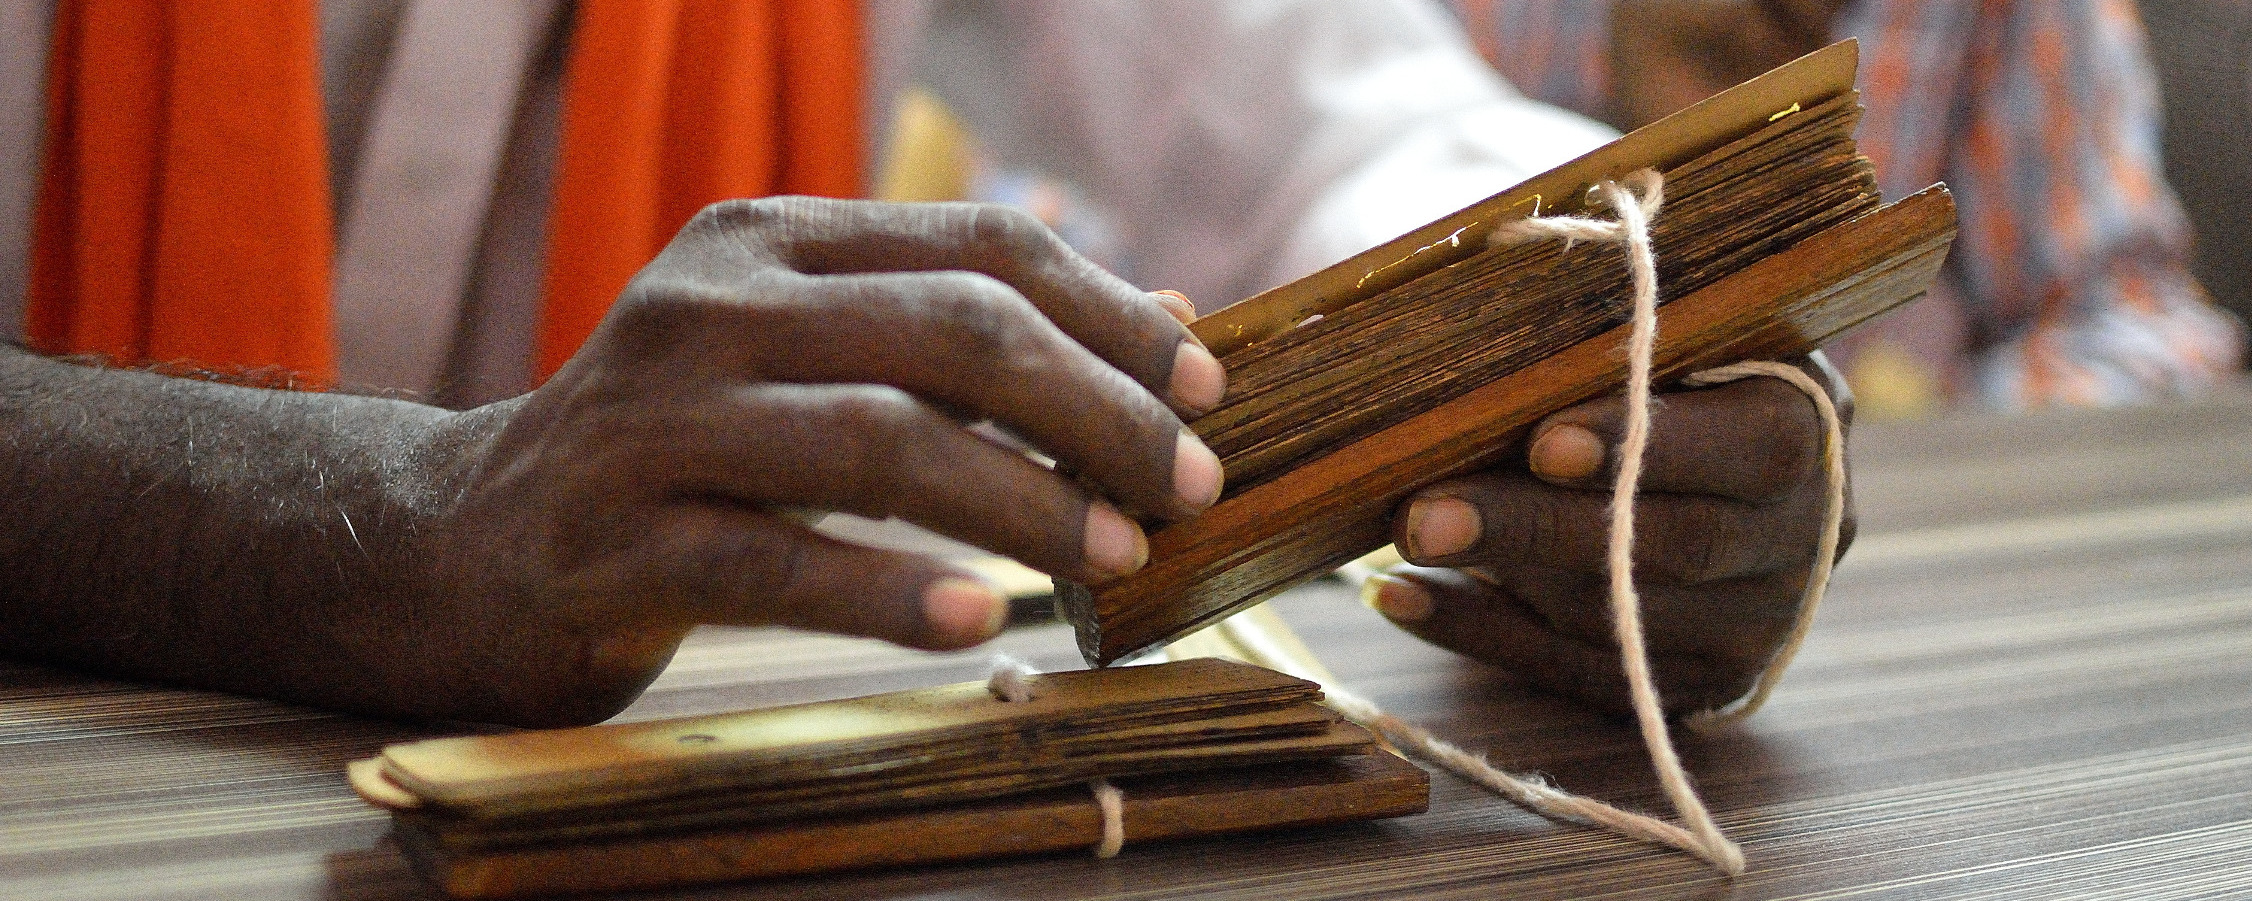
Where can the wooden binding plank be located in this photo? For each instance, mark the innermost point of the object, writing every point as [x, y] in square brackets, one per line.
[1338, 506]
[935, 788]
[615, 764]
[1344, 789]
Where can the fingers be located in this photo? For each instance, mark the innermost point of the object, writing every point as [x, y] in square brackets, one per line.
[1489, 619]
[1730, 620]
[1754, 440]
[740, 566]
[1177, 304]
[1131, 329]
[1503, 517]
[878, 452]
[970, 343]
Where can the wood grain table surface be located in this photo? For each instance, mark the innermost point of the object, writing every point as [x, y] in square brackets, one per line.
[2033, 680]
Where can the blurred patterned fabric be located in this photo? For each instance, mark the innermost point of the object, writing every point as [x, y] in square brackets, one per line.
[2070, 283]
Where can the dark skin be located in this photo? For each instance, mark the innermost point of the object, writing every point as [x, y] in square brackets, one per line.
[536, 561]
[1514, 568]
[1514, 561]
[1725, 533]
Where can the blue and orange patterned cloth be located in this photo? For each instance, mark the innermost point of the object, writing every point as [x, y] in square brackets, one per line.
[2070, 282]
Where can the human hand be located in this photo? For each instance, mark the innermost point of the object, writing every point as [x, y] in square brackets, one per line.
[805, 354]
[1734, 493]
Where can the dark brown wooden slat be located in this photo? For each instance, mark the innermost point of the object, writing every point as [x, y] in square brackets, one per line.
[1200, 804]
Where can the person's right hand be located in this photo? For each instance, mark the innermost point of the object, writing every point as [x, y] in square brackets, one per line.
[805, 354]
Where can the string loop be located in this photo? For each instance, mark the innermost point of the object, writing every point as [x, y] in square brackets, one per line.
[1011, 683]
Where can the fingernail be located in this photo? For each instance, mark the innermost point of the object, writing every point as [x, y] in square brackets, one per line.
[1115, 545]
[1196, 471]
[1400, 600]
[964, 611]
[1567, 453]
[1198, 381]
[1440, 527]
[1177, 304]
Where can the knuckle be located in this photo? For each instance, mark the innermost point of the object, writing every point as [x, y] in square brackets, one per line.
[872, 411]
[980, 316]
[658, 312]
[749, 222]
[725, 557]
[1706, 547]
[771, 563]
[657, 300]
[1793, 444]
[739, 214]
[1544, 529]
[672, 315]
[1011, 232]
[873, 429]
[763, 229]
[1528, 528]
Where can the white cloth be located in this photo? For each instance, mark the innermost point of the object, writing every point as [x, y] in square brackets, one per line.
[1239, 145]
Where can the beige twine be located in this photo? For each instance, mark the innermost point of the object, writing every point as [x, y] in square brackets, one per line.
[1011, 682]
[1700, 836]
[1011, 679]
[1113, 804]
[1633, 230]
[1826, 552]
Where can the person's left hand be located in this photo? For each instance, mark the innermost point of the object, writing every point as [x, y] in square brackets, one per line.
[1732, 506]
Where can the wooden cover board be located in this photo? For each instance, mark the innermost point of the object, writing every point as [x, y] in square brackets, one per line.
[1344, 789]
[830, 742]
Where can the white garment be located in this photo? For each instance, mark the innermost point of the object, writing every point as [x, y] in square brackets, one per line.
[1235, 145]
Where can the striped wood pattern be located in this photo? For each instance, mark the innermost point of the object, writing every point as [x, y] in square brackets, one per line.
[2031, 682]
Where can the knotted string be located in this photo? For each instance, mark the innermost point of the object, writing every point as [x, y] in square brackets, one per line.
[1011, 683]
[1700, 835]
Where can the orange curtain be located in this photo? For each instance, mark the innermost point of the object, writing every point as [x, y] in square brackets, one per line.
[184, 202]
[184, 205]
[674, 104]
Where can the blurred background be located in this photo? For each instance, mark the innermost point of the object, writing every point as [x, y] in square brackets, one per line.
[2100, 152]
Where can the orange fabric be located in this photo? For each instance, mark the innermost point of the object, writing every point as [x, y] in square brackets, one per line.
[184, 212]
[184, 203]
[736, 98]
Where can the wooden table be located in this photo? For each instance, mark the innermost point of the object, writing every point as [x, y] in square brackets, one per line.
[2034, 680]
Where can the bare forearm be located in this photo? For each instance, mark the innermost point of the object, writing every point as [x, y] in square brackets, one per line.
[228, 537]
[537, 561]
